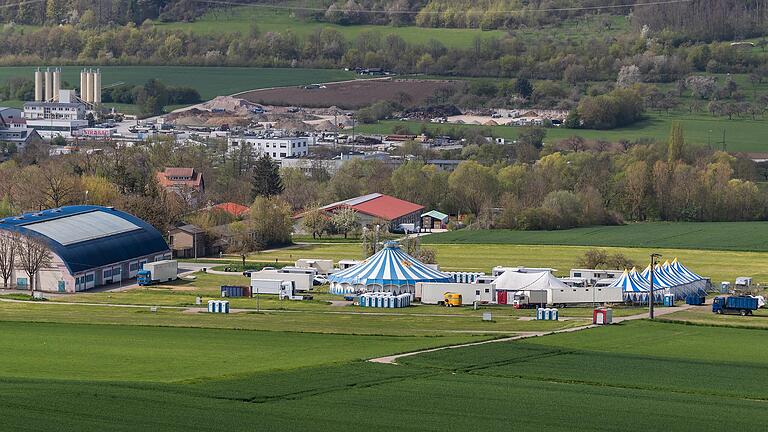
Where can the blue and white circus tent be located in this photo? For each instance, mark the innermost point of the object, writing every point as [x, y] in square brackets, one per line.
[676, 279]
[635, 288]
[389, 270]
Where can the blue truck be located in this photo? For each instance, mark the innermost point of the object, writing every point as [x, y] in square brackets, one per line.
[743, 305]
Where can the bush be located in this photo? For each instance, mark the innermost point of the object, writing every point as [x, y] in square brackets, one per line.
[621, 107]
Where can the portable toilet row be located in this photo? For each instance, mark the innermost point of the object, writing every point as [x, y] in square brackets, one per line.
[218, 306]
[602, 316]
[235, 291]
[384, 300]
[465, 277]
[547, 314]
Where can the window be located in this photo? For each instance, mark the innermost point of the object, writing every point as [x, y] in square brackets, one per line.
[89, 277]
[22, 282]
[487, 291]
[116, 271]
[134, 266]
[577, 275]
[477, 292]
[107, 273]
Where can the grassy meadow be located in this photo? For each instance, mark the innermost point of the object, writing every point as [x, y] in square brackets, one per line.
[736, 236]
[244, 19]
[606, 378]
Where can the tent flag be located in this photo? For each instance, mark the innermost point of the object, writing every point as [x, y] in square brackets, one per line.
[390, 266]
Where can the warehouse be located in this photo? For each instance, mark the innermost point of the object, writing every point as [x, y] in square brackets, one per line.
[89, 245]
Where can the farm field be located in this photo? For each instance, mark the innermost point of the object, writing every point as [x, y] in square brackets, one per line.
[591, 380]
[736, 236]
[161, 354]
[741, 135]
[719, 265]
[243, 19]
[348, 95]
[209, 81]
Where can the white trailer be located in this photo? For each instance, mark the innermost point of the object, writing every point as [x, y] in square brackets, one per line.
[266, 286]
[302, 281]
[158, 271]
[322, 266]
[434, 293]
[561, 297]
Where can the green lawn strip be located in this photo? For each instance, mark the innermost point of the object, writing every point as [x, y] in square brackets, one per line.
[310, 322]
[735, 236]
[705, 317]
[718, 265]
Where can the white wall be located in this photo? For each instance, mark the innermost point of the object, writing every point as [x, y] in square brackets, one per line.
[301, 281]
[433, 293]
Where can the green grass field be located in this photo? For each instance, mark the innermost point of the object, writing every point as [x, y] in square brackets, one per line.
[242, 19]
[209, 81]
[740, 134]
[736, 236]
[630, 377]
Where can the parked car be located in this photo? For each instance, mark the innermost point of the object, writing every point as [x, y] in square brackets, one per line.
[319, 280]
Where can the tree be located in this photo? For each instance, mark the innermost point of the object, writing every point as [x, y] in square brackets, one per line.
[270, 222]
[266, 181]
[474, 186]
[676, 142]
[315, 221]
[345, 220]
[9, 242]
[33, 255]
[523, 87]
[628, 76]
[702, 87]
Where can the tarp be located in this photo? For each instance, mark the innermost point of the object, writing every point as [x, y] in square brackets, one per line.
[390, 269]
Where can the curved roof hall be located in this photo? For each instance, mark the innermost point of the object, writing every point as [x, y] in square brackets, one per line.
[87, 237]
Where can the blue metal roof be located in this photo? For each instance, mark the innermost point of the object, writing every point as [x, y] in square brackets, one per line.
[81, 256]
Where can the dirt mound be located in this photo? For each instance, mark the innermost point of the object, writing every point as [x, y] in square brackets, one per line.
[326, 126]
[229, 104]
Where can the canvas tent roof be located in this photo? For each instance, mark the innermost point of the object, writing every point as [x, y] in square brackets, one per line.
[389, 266]
[631, 282]
[518, 281]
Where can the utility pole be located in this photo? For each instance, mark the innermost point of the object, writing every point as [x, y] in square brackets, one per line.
[650, 296]
[723, 141]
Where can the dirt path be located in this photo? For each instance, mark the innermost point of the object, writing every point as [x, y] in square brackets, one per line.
[524, 335]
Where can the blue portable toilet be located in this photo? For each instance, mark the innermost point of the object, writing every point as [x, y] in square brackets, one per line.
[225, 307]
[540, 314]
[554, 315]
[669, 300]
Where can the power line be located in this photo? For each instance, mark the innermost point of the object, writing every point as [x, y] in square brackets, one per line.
[469, 12]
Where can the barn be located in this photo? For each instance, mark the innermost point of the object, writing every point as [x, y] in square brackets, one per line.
[89, 245]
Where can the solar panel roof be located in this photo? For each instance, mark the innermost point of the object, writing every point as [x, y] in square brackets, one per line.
[82, 227]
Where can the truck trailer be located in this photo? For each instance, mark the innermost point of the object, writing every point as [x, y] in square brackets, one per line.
[158, 272]
[742, 305]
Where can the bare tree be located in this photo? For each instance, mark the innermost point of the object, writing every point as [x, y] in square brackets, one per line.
[8, 250]
[33, 255]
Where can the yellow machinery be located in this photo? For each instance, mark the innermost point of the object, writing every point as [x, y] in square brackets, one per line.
[452, 299]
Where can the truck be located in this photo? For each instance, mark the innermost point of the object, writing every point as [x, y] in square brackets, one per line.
[266, 286]
[743, 305]
[157, 272]
[529, 299]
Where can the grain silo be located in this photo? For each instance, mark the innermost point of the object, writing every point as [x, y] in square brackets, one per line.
[89, 86]
[48, 84]
[56, 84]
[38, 85]
[97, 87]
[83, 83]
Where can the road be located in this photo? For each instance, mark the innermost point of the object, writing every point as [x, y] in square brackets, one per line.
[392, 359]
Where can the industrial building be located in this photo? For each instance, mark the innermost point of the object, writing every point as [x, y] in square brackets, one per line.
[58, 112]
[278, 148]
[89, 245]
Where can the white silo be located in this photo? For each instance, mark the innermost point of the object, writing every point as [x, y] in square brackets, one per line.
[97, 87]
[38, 85]
[89, 86]
[56, 84]
[48, 84]
[83, 83]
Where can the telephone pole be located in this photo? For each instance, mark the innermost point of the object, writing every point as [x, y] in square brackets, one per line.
[650, 296]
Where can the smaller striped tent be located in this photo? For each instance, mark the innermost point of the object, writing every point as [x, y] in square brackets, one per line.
[635, 288]
[389, 270]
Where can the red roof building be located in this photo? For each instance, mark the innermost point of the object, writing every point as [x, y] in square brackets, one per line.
[235, 209]
[186, 182]
[376, 206]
